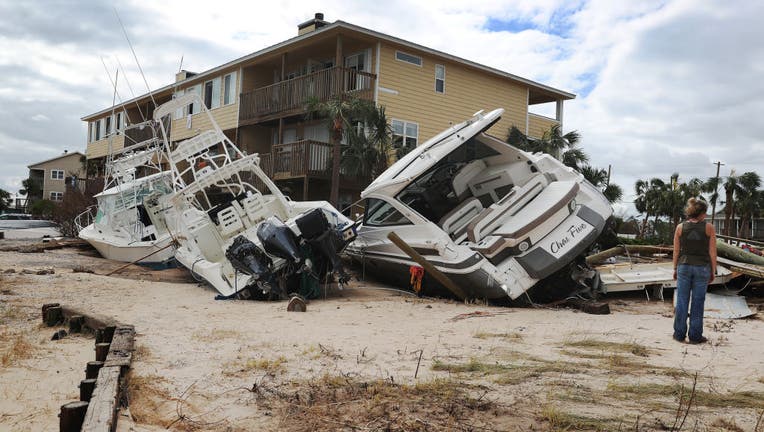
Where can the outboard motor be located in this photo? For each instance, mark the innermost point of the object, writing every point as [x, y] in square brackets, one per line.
[323, 239]
[249, 259]
[278, 240]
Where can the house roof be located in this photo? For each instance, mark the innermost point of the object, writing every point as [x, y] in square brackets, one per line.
[55, 158]
[348, 26]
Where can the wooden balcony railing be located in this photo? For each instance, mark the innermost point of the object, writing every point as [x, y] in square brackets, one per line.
[291, 96]
[301, 158]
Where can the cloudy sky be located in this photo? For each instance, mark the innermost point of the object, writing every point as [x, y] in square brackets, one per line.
[663, 86]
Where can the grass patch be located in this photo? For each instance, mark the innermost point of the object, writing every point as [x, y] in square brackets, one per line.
[624, 347]
[19, 349]
[761, 380]
[562, 421]
[743, 399]
[344, 403]
[9, 312]
[150, 402]
[510, 373]
[508, 336]
[216, 335]
[269, 366]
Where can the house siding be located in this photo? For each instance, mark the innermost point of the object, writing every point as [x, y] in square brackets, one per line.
[537, 125]
[100, 148]
[71, 165]
[466, 91]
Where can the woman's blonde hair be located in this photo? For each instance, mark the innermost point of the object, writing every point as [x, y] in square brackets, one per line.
[695, 207]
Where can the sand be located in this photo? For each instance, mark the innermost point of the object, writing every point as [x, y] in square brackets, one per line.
[197, 358]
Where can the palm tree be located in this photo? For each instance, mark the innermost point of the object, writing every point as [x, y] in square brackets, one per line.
[731, 186]
[748, 199]
[30, 187]
[711, 186]
[340, 110]
[599, 178]
[562, 147]
[5, 198]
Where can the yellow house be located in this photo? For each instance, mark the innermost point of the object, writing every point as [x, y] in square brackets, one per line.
[260, 100]
[51, 175]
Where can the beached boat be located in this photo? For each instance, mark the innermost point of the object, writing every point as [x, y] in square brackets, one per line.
[492, 218]
[234, 227]
[16, 221]
[119, 226]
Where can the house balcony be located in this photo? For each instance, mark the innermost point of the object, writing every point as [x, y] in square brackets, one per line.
[306, 158]
[290, 97]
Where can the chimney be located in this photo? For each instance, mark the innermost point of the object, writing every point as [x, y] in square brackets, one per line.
[314, 24]
[183, 74]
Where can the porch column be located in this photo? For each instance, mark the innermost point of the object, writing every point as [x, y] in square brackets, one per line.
[558, 114]
[334, 195]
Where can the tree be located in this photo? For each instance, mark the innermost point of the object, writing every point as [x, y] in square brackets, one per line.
[31, 187]
[5, 198]
[599, 178]
[711, 186]
[748, 200]
[340, 110]
[731, 186]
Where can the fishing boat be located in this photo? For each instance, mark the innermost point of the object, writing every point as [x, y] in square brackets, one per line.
[234, 227]
[119, 226]
[491, 218]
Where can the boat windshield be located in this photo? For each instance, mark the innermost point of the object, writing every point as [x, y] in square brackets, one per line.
[432, 194]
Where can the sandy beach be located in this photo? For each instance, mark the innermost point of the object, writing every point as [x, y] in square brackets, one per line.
[366, 358]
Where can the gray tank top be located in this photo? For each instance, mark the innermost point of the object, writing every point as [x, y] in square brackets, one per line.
[693, 244]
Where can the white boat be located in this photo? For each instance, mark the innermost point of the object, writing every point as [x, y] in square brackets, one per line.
[234, 227]
[15, 221]
[121, 228]
[492, 218]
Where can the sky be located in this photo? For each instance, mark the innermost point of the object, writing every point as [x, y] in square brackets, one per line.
[662, 86]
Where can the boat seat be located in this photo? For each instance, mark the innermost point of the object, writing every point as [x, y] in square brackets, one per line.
[465, 175]
[229, 221]
[459, 217]
[255, 208]
[491, 183]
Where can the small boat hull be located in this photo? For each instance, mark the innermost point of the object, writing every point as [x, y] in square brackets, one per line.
[145, 252]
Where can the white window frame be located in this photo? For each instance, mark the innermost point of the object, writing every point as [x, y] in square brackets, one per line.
[57, 174]
[97, 133]
[421, 61]
[215, 93]
[91, 132]
[229, 94]
[405, 123]
[443, 68]
[118, 122]
[193, 108]
[56, 196]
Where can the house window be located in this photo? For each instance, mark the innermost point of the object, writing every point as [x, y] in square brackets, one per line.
[91, 132]
[98, 130]
[405, 134]
[193, 108]
[229, 88]
[408, 58]
[107, 130]
[56, 196]
[212, 93]
[118, 122]
[57, 174]
[440, 78]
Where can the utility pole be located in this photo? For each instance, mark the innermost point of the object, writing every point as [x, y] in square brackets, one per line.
[713, 204]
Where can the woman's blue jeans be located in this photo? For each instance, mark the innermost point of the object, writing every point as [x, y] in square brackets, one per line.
[691, 282]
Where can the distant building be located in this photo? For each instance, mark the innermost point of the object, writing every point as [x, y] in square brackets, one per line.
[260, 100]
[51, 175]
[753, 231]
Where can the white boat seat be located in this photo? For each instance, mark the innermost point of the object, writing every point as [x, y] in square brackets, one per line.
[489, 182]
[465, 175]
[460, 216]
[229, 221]
[255, 208]
[523, 211]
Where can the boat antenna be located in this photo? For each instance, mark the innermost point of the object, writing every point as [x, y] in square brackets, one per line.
[132, 93]
[110, 153]
[180, 68]
[108, 74]
[151, 95]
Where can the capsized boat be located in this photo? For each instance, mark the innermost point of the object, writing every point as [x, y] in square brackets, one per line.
[234, 227]
[119, 226]
[494, 219]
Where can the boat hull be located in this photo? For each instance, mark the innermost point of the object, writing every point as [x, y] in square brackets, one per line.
[145, 252]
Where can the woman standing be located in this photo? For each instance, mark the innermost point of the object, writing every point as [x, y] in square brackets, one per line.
[694, 269]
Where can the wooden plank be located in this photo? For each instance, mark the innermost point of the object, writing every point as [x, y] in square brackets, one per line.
[91, 321]
[121, 349]
[102, 410]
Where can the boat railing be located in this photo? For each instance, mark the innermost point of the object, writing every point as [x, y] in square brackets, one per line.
[85, 218]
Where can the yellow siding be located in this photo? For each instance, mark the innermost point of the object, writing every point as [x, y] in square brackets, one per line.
[100, 148]
[537, 125]
[227, 117]
[466, 91]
